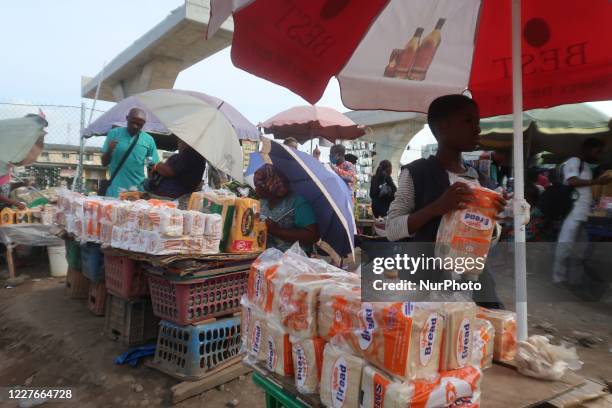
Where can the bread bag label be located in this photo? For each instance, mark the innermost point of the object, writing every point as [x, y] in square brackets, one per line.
[301, 365]
[272, 357]
[464, 337]
[256, 339]
[339, 383]
[476, 220]
[368, 325]
[428, 338]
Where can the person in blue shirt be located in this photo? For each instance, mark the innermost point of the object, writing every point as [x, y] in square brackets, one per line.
[131, 174]
[288, 216]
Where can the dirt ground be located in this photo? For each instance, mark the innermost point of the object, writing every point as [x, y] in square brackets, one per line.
[49, 340]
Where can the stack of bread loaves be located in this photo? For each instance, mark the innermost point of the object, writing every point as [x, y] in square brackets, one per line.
[306, 319]
[155, 227]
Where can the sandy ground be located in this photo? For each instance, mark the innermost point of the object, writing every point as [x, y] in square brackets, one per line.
[50, 340]
[56, 341]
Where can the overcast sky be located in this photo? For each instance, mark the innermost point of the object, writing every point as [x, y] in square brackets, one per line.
[48, 45]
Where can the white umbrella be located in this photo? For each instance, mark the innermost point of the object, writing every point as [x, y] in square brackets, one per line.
[200, 125]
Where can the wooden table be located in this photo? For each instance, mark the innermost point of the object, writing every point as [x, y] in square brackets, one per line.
[29, 235]
[501, 387]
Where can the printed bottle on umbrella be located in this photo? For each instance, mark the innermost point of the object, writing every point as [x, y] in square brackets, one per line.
[407, 55]
[426, 53]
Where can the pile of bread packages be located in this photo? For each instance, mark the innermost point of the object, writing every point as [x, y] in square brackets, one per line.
[303, 318]
[155, 227]
[242, 230]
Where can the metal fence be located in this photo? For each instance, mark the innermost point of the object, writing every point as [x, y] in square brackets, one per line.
[64, 120]
[65, 125]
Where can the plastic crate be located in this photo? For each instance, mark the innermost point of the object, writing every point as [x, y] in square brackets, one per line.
[124, 277]
[77, 285]
[92, 262]
[276, 396]
[130, 322]
[188, 352]
[195, 300]
[73, 253]
[97, 298]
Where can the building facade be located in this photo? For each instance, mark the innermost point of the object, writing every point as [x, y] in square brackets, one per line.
[57, 165]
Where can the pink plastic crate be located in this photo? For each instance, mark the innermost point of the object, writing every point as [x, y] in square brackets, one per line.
[124, 278]
[191, 301]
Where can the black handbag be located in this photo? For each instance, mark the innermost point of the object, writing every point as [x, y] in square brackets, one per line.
[105, 184]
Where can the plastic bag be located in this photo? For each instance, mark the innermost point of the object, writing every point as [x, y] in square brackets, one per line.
[307, 356]
[483, 344]
[466, 234]
[403, 339]
[260, 289]
[194, 223]
[255, 333]
[220, 202]
[340, 377]
[278, 354]
[536, 357]
[505, 340]
[248, 233]
[456, 388]
[459, 327]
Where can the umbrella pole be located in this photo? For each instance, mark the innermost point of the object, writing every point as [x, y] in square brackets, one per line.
[520, 262]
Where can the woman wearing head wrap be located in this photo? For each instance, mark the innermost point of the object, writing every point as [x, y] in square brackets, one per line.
[289, 217]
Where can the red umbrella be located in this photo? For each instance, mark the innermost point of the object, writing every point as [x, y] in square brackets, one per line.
[401, 54]
[307, 122]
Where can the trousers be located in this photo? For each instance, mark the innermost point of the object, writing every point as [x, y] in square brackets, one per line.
[571, 248]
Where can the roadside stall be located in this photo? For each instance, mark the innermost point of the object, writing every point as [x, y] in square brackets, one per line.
[167, 280]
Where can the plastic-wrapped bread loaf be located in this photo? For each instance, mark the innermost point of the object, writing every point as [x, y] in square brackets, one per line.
[213, 226]
[467, 233]
[425, 342]
[402, 341]
[255, 336]
[307, 355]
[297, 285]
[245, 323]
[194, 223]
[456, 388]
[106, 232]
[396, 337]
[339, 307]
[295, 302]
[484, 344]
[459, 319]
[278, 350]
[379, 390]
[505, 341]
[259, 288]
[340, 378]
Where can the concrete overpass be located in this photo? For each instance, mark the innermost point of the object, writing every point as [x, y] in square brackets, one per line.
[392, 131]
[155, 60]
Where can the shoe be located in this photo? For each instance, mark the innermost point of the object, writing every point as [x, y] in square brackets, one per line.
[563, 285]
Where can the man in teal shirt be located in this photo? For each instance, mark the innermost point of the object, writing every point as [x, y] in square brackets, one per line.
[117, 142]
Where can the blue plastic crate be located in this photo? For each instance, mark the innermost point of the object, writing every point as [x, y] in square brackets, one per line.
[92, 262]
[187, 352]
